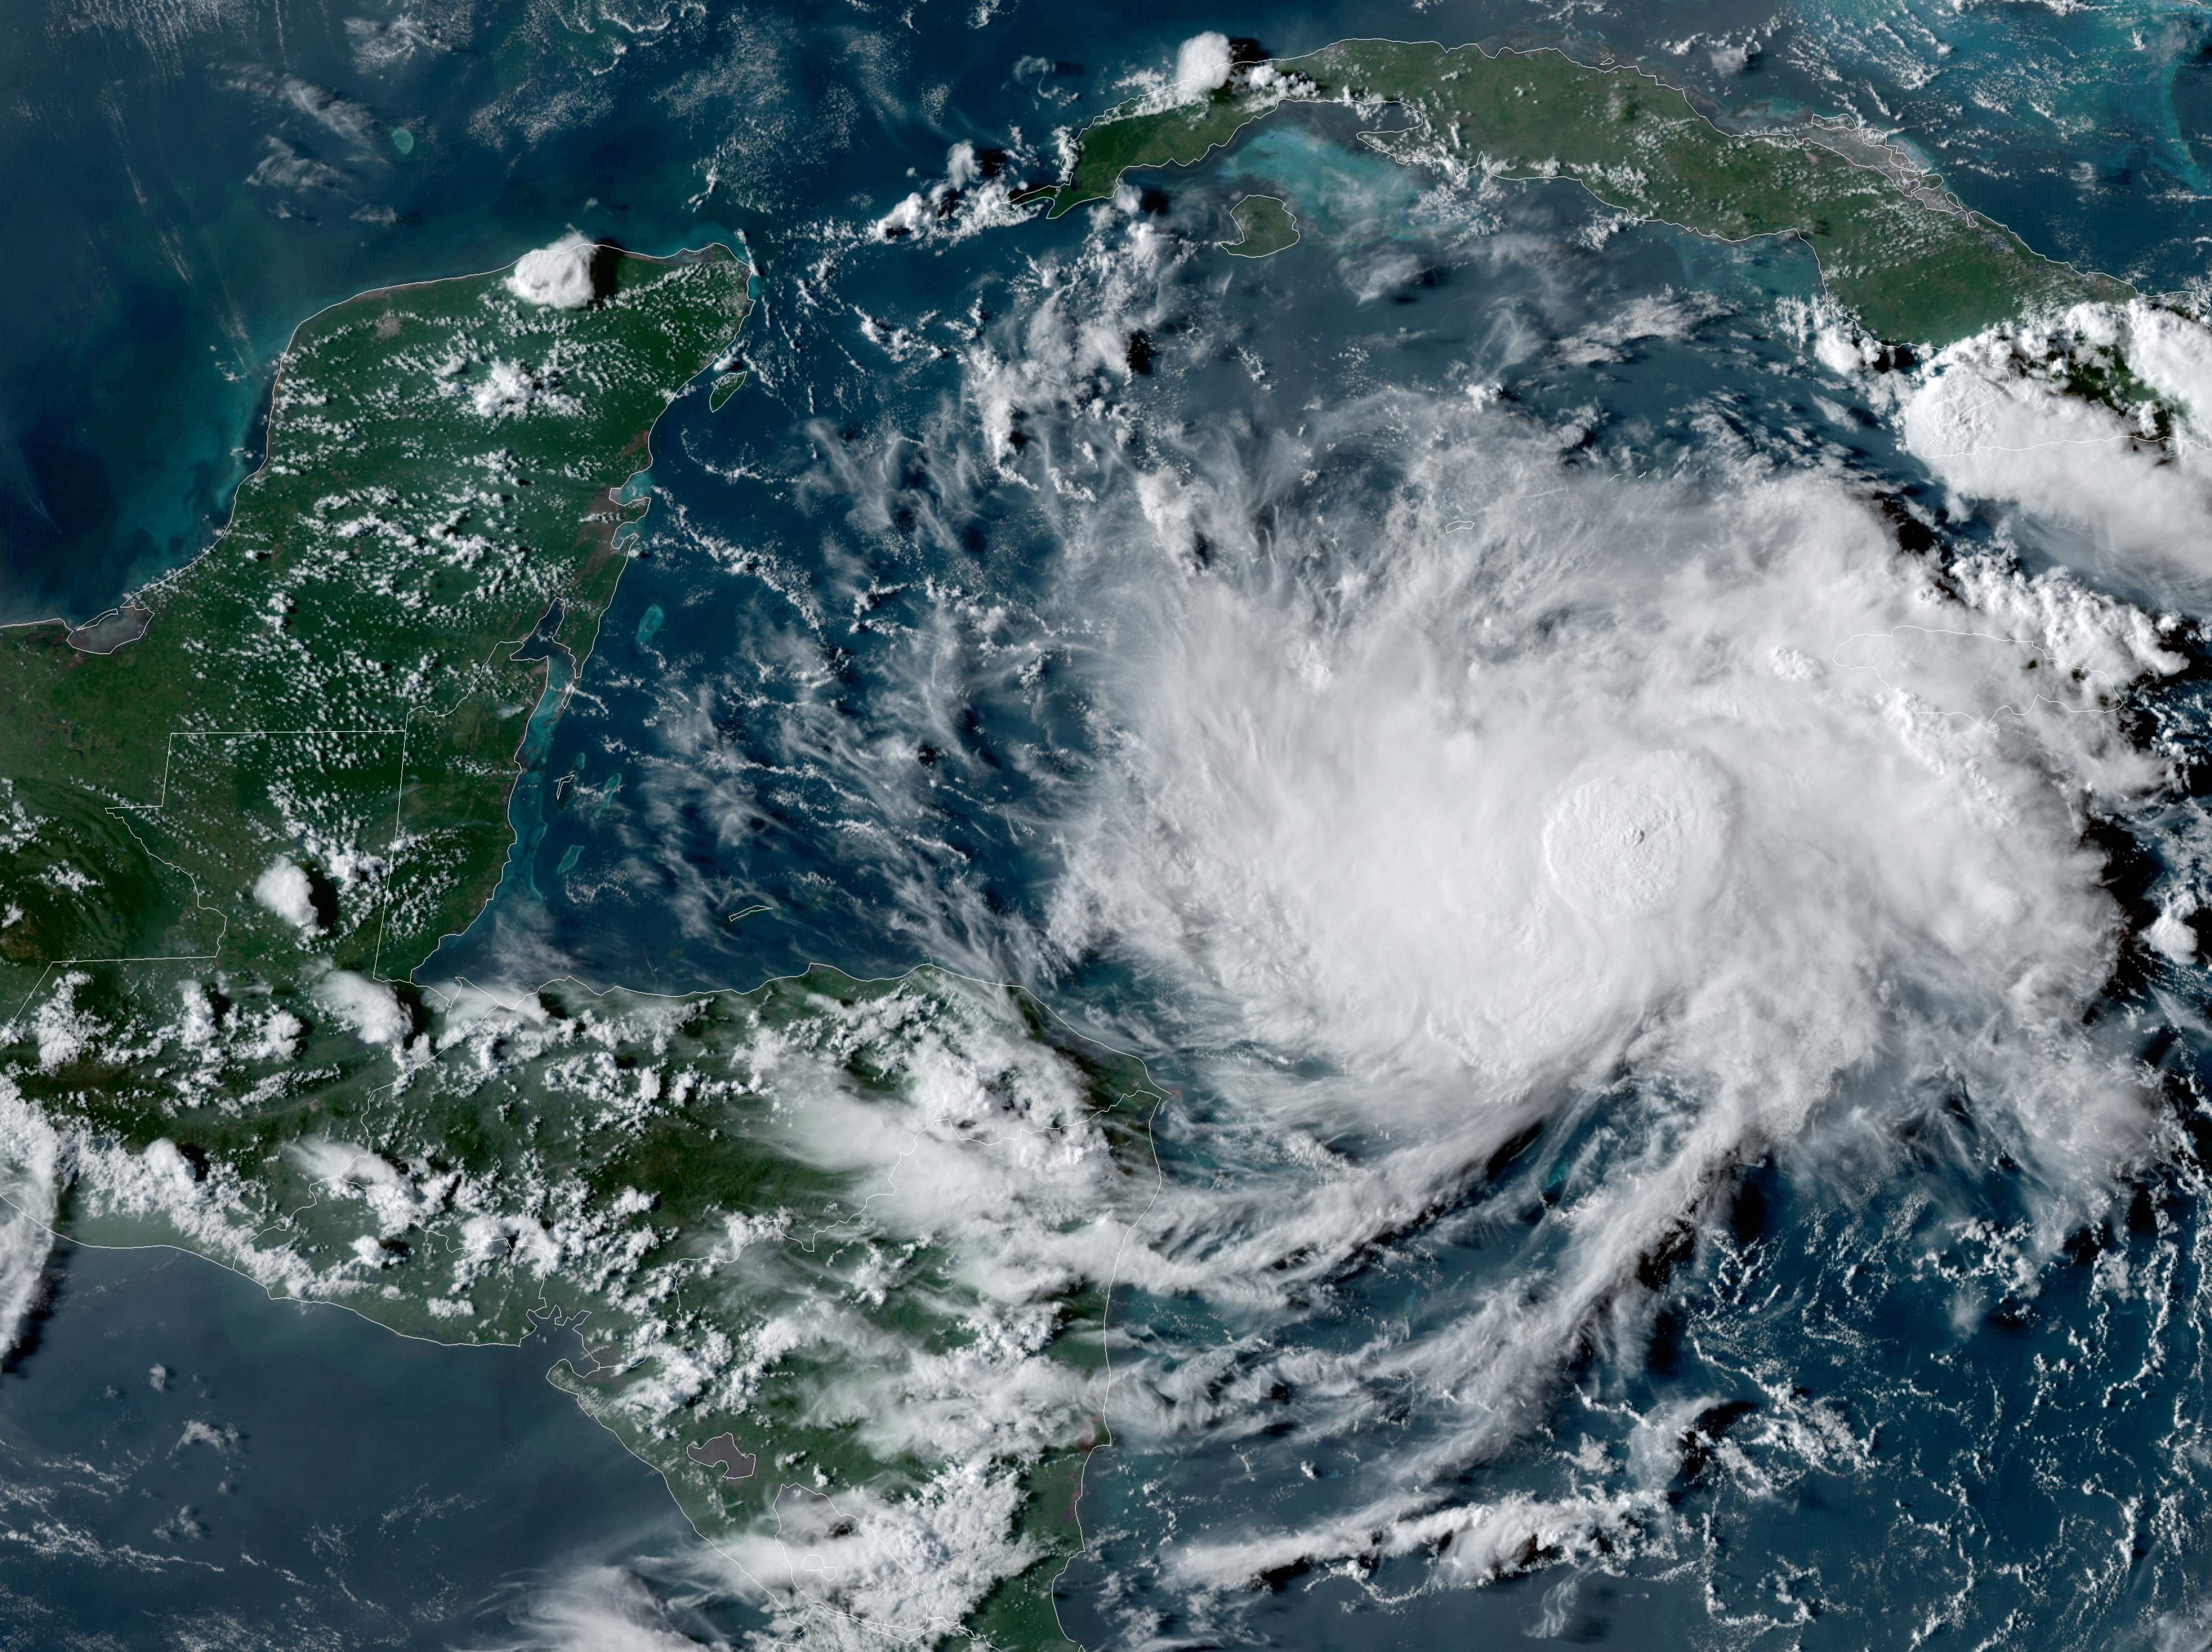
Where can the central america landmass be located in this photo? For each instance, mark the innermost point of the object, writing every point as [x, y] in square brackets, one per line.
[238, 817]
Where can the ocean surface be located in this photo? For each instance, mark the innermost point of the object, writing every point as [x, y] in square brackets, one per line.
[189, 1463]
[1065, 602]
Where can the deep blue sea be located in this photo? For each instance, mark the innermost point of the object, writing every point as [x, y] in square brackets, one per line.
[974, 631]
[188, 1462]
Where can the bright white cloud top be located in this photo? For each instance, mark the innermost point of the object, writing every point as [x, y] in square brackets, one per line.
[558, 277]
[1202, 65]
[283, 888]
[1995, 419]
[368, 1007]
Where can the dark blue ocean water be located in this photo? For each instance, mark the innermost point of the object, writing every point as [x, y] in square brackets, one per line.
[744, 779]
[188, 1462]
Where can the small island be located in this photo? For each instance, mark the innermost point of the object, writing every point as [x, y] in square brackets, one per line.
[723, 388]
[1267, 225]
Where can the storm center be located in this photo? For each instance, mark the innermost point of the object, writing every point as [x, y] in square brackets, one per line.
[1638, 835]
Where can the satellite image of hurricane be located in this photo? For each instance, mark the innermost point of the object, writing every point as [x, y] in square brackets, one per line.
[849, 824]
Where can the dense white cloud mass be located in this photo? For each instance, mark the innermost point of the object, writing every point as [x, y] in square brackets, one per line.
[1635, 837]
[558, 277]
[1448, 785]
[1995, 417]
[1573, 785]
[30, 1189]
[284, 890]
[367, 1007]
[1574, 771]
[1202, 65]
[1578, 789]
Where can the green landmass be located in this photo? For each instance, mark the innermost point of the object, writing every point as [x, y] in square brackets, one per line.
[1893, 246]
[1265, 227]
[1019, 1612]
[237, 815]
[334, 683]
[730, 1199]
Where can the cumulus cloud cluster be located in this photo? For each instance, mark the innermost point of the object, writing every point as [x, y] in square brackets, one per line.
[1202, 65]
[509, 388]
[558, 277]
[368, 1007]
[975, 195]
[284, 889]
